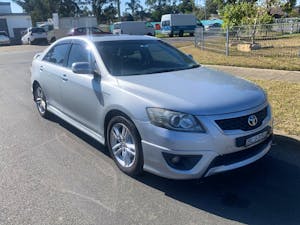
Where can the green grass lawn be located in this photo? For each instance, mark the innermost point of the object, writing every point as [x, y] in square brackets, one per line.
[285, 101]
[253, 61]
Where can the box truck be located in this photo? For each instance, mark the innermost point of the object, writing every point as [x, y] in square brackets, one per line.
[134, 28]
[178, 24]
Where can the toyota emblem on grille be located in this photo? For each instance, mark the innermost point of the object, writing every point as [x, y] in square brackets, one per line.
[252, 120]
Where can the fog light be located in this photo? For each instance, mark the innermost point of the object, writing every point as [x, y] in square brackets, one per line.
[181, 162]
[175, 159]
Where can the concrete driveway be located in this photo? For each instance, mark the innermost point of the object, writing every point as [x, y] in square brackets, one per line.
[51, 173]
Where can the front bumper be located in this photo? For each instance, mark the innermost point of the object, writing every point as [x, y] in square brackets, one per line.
[217, 148]
[5, 42]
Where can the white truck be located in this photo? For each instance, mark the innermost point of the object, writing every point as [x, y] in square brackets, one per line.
[134, 28]
[178, 24]
[59, 27]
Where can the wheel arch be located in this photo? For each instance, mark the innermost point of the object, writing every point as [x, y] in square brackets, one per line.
[116, 112]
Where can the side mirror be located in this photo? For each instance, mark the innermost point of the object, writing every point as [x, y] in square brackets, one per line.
[82, 68]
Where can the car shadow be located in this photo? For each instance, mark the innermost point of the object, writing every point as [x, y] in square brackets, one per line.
[91, 141]
[265, 192]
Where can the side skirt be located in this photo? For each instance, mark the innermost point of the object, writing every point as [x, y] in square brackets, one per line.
[76, 124]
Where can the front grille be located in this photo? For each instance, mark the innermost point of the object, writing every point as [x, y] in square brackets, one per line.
[239, 156]
[241, 123]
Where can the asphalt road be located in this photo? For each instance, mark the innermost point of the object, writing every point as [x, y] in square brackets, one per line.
[50, 173]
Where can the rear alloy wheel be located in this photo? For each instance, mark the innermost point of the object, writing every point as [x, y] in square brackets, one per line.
[124, 144]
[40, 101]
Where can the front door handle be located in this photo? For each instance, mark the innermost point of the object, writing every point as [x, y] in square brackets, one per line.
[41, 68]
[64, 77]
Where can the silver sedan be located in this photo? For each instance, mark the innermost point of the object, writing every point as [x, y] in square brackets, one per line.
[155, 108]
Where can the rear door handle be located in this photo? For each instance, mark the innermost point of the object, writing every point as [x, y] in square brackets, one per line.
[64, 77]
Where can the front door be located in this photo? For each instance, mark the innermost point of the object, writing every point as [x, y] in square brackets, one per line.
[81, 93]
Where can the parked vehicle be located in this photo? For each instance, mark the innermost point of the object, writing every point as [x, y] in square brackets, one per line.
[34, 35]
[178, 24]
[64, 25]
[134, 28]
[86, 31]
[4, 38]
[214, 26]
[153, 106]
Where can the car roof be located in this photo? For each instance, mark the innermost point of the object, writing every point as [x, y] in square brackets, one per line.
[109, 37]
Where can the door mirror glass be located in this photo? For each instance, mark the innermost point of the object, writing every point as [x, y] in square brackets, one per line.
[82, 68]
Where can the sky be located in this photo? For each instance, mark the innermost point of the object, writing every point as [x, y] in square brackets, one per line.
[18, 9]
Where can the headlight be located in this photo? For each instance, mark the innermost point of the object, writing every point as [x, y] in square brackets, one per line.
[174, 120]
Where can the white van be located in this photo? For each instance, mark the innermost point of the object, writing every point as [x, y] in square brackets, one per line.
[134, 28]
[178, 24]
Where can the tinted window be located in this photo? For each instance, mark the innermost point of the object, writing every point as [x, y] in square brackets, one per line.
[57, 54]
[165, 23]
[81, 30]
[37, 30]
[3, 33]
[78, 53]
[135, 57]
[117, 26]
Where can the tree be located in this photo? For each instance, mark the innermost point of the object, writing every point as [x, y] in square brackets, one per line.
[161, 7]
[41, 10]
[134, 7]
[186, 6]
[212, 6]
[245, 13]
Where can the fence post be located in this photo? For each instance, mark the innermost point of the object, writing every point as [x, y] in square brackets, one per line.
[227, 42]
[202, 38]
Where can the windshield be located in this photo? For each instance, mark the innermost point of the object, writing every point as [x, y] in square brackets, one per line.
[137, 57]
[3, 33]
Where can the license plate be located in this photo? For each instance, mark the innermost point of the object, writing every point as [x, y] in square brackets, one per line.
[256, 138]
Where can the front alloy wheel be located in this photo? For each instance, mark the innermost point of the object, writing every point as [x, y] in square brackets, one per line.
[125, 145]
[40, 101]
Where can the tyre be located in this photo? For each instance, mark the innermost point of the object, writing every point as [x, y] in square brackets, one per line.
[124, 144]
[171, 34]
[191, 34]
[181, 33]
[40, 101]
[53, 39]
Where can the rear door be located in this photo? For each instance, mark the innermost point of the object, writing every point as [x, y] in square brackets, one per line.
[52, 70]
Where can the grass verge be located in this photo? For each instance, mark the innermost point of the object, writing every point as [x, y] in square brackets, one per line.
[284, 98]
[212, 58]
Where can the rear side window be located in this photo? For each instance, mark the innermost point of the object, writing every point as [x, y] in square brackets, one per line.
[57, 54]
[37, 30]
[79, 53]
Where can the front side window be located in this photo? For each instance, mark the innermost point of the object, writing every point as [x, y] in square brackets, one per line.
[57, 54]
[165, 23]
[137, 57]
[79, 53]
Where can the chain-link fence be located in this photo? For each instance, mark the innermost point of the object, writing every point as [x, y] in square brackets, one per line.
[280, 39]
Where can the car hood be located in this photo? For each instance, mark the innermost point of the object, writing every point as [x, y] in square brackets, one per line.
[199, 91]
